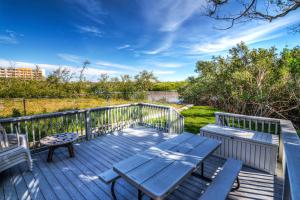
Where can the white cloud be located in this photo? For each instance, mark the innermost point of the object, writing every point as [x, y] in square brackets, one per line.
[91, 72]
[253, 35]
[10, 37]
[91, 9]
[163, 46]
[166, 64]
[70, 57]
[125, 46]
[169, 15]
[162, 72]
[115, 65]
[91, 30]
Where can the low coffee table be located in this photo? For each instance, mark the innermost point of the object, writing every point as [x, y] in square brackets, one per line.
[59, 140]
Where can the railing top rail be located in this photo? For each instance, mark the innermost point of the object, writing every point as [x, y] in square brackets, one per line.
[291, 146]
[154, 105]
[249, 117]
[70, 112]
[164, 107]
[55, 114]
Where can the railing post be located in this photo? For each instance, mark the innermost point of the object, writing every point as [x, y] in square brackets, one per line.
[217, 121]
[87, 118]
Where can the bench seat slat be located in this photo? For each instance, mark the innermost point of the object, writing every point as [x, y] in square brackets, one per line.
[109, 176]
[222, 183]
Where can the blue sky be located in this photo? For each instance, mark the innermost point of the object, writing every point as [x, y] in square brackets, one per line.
[125, 36]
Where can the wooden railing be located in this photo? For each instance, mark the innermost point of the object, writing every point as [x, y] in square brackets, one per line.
[161, 117]
[289, 148]
[90, 123]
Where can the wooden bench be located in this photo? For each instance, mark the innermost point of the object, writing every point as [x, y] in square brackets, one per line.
[110, 176]
[221, 185]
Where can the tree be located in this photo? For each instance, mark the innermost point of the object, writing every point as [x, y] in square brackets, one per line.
[83, 68]
[103, 87]
[249, 81]
[60, 75]
[145, 80]
[126, 86]
[252, 10]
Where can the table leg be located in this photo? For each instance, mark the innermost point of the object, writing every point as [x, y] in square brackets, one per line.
[71, 150]
[50, 154]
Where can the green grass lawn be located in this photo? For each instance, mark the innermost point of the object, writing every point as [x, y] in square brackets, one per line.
[197, 117]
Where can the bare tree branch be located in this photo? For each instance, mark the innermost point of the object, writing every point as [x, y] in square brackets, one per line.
[250, 11]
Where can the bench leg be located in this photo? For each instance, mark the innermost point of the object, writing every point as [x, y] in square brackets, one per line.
[112, 190]
[237, 186]
[140, 195]
[201, 175]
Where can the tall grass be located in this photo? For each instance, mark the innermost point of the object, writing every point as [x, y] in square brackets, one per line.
[14, 107]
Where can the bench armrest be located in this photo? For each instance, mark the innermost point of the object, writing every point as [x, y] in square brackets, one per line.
[21, 140]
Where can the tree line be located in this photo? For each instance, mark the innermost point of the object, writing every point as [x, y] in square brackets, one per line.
[60, 83]
[261, 82]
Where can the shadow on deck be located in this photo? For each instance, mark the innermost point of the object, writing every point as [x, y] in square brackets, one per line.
[76, 178]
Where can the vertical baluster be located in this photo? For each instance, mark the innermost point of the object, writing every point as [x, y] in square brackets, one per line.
[72, 122]
[51, 125]
[109, 119]
[56, 125]
[269, 127]
[19, 127]
[61, 128]
[33, 132]
[239, 124]
[116, 118]
[26, 132]
[45, 128]
[81, 121]
[250, 124]
[98, 121]
[76, 121]
[276, 128]
[11, 127]
[263, 126]
[256, 128]
[105, 120]
[67, 122]
[39, 129]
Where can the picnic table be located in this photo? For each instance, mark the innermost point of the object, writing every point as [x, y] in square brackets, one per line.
[157, 171]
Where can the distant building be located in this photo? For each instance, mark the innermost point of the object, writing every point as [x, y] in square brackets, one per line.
[22, 73]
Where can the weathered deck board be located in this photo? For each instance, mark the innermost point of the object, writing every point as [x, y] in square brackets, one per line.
[76, 178]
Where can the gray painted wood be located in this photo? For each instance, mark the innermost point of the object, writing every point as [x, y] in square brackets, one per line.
[109, 176]
[89, 160]
[159, 164]
[259, 137]
[222, 183]
[255, 149]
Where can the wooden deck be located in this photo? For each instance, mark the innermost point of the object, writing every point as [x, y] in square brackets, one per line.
[76, 178]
